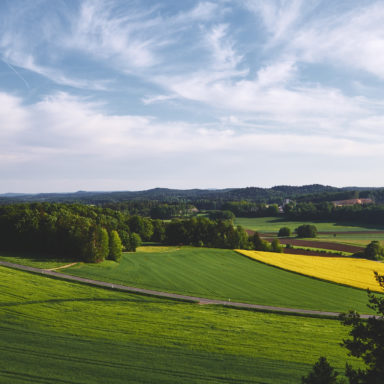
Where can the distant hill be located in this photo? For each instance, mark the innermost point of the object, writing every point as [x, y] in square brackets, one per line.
[313, 193]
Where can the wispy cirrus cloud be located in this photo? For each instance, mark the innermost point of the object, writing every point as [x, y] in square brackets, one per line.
[134, 40]
[221, 46]
[354, 39]
[122, 36]
[278, 16]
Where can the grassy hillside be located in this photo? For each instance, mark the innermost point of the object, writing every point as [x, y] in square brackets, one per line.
[222, 274]
[273, 224]
[59, 332]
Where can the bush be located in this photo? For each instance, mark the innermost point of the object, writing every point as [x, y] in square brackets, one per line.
[306, 230]
[258, 244]
[276, 246]
[284, 232]
[374, 251]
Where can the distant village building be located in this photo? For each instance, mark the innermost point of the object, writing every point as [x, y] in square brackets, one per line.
[285, 202]
[343, 203]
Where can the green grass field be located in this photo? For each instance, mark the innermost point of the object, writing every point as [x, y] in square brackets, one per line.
[273, 224]
[222, 274]
[352, 239]
[53, 331]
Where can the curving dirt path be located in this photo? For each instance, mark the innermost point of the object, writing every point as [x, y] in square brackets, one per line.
[175, 296]
[62, 267]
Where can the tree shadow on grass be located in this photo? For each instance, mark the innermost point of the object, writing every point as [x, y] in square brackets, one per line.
[37, 257]
[78, 300]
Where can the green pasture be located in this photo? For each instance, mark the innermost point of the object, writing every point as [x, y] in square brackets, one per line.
[52, 331]
[352, 239]
[273, 224]
[222, 274]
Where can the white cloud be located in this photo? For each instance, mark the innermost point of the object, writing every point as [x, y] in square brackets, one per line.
[13, 119]
[272, 103]
[49, 128]
[352, 39]
[278, 73]
[157, 99]
[94, 150]
[222, 49]
[203, 11]
[278, 16]
[100, 33]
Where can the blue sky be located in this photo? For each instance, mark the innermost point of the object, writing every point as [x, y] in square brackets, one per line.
[130, 95]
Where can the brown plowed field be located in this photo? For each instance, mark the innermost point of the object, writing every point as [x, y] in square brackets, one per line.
[352, 233]
[296, 251]
[269, 234]
[321, 244]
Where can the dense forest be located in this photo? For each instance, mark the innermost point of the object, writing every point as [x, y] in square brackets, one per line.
[102, 229]
[93, 234]
[368, 214]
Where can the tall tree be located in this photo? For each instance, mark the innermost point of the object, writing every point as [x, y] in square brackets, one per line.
[367, 341]
[96, 249]
[322, 373]
[115, 246]
[134, 242]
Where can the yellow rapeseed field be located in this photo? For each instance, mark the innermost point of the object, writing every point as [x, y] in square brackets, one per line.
[354, 272]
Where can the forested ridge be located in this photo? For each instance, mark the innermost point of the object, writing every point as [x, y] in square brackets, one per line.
[215, 197]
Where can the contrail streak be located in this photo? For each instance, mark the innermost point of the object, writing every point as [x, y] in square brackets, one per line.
[18, 75]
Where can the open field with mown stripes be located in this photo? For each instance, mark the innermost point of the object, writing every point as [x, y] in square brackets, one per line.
[222, 274]
[54, 331]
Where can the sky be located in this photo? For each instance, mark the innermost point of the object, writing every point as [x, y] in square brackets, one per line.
[137, 94]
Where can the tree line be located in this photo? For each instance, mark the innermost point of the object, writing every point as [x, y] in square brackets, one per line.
[368, 214]
[92, 234]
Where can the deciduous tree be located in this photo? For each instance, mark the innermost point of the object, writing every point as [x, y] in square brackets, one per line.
[306, 230]
[115, 246]
[374, 251]
[284, 232]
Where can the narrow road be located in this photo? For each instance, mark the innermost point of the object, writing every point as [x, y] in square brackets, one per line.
[192, 299]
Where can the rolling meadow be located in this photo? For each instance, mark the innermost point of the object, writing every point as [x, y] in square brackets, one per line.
[62, 332]
[53, 330]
